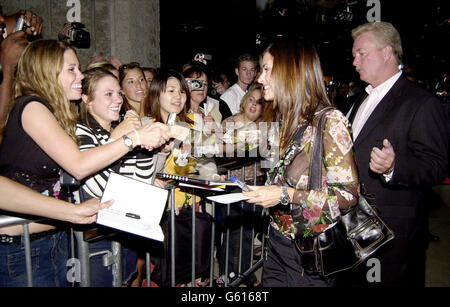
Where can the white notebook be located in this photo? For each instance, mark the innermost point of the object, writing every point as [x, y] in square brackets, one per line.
[137, 208]
[228, 198]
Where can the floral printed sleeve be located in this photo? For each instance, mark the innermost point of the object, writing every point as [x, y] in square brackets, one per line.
[316, 210]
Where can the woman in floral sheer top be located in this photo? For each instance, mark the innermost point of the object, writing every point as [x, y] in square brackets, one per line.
[292, 78]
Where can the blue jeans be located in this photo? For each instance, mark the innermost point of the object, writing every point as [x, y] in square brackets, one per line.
[49, 256]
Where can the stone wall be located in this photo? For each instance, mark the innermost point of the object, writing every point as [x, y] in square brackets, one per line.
[127, 29]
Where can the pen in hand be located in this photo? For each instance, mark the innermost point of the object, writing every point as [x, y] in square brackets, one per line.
[241, 184]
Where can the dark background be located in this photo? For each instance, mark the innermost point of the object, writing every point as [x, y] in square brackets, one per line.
[227, 28]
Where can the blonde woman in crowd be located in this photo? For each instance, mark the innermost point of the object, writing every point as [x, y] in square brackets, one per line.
[40, 141]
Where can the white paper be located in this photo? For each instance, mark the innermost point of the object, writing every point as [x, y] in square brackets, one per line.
[135, 197]
[209, 105]
[228, 198]
[203, 187]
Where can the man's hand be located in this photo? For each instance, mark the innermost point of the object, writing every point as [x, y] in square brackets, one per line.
[382, 160]
[33, 21]
[63, 34]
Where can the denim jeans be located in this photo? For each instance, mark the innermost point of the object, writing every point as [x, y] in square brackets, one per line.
[49, 256]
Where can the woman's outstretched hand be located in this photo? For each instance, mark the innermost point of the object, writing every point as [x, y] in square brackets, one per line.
[153, 135]
[265, 196]
[86, 212]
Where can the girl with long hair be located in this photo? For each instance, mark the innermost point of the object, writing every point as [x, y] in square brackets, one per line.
[40, 141]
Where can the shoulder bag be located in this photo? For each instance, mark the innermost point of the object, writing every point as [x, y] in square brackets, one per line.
[357, 235]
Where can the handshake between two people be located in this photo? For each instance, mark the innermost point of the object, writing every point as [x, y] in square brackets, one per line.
[151, 135]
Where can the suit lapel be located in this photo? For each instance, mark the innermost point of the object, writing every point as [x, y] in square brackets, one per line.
[381, 111]
[356, 106]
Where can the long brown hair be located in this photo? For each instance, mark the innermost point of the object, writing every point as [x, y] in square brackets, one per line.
[297, 84]
[123, 71]
[37, 75]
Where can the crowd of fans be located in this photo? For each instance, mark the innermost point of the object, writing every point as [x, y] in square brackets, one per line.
[91, 119]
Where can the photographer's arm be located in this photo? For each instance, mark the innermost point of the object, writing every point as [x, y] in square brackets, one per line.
[11, 49]
[34, 22]
[63, 34]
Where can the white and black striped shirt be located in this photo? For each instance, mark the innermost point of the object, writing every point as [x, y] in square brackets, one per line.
[138, 164]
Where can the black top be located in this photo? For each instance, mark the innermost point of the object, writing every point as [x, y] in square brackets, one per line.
[22, 160]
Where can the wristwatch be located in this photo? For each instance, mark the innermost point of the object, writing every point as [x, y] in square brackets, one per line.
[128, 142]
[284, 198]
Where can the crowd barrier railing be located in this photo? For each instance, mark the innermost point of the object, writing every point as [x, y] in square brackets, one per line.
[6, 220]
[113, 257]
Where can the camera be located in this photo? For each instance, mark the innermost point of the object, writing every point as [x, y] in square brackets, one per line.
[67, 180]
[203, 58]
[78, 37]
[197, 85]
[21, 24]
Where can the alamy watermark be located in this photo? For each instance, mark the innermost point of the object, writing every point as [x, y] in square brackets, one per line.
[374, 273]
[74, 271]
[74, 13]
[374, 13]
[233, 140]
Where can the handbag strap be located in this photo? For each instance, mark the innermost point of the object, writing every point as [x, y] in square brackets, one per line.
[315, 168]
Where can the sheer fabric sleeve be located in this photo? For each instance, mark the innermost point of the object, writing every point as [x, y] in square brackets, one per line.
[340, 184]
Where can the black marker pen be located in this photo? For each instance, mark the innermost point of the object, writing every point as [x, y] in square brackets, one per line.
[133, 216]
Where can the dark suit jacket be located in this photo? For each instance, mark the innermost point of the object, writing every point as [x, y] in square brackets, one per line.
[413, 120]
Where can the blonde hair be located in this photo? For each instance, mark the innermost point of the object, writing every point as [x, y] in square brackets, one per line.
[384, 35]
[37, 75]
[102, 64]
[253, 87]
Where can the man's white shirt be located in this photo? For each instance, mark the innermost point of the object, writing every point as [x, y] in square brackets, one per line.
[233, 96]
[370, 103]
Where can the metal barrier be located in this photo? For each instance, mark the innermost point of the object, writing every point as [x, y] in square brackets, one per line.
[113, 257]
[110, 258]
[10, 221]
[242, 276]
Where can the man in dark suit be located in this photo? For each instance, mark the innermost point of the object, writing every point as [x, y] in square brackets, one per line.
[400, 142]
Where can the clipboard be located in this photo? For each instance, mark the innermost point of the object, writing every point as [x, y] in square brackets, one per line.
[138, 207]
